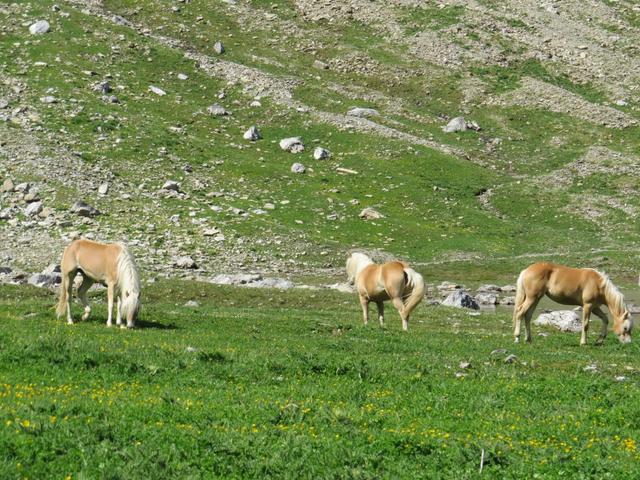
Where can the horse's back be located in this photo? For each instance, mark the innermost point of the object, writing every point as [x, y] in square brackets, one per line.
[94, 258]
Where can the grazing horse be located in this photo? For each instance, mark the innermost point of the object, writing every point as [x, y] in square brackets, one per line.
[393, 281]
[109, 264]
[571, 286]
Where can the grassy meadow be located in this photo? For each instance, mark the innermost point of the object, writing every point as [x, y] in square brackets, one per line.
[273, 384]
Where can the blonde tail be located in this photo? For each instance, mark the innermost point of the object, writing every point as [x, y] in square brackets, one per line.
[520, 296]
[418, 290]
[62, 303]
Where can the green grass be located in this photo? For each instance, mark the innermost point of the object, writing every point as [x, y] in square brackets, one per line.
[260, 383]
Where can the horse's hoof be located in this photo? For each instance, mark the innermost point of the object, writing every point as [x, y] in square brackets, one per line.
[516, 340]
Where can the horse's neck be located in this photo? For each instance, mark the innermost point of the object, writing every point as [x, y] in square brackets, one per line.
[613, 298]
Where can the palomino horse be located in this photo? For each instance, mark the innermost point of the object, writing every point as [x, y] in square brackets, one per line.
[393, 281]
[110, 264]
[571, 286]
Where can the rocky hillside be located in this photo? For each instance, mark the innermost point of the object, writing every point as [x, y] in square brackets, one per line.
[469, 137]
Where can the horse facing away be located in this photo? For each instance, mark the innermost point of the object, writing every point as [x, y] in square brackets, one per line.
[393, 281]
[571, 286]
[109, 264]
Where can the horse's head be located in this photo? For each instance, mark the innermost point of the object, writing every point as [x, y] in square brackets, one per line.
[623, 324]
[131, 307]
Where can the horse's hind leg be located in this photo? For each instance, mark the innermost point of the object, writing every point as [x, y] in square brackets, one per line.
[605, 322]
[70, 276]
[399, 304]
[364, 303]
[380, 312]
[525, 309]
[82, 295]
[527, 319]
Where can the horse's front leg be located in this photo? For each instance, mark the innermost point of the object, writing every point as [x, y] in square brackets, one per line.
[111, 288]
[586, 313]
[605, 322]
[380, 312]
[364, 303]
[118, 313]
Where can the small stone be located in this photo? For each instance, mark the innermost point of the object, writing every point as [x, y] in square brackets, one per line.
[320, 153]
[185, 262]
[157, 91]
[292, 144]
[510, 359]
[320, 65]
[252, 134]
[217, 110]
[48, 99]
[498, 351]
[40, 27]
[487, 299]
[43, 280]
[104, 87]
[458, 124]
[370, 214]
[7, 186]
[461, 299]
[465, 365]
[255, 103]
[22, 187]
[84, 210]
[171, 185]
[298, 168]
[117, 19]
[218, 48]
[182, 76]
[192, 304]
[103, 189]
[362, 112]
[33, 209]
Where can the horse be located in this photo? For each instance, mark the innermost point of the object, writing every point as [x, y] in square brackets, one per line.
[110, 264]
[393, 281]
[571, 286]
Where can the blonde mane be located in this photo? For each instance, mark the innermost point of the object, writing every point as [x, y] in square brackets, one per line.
[128, 278]
[355, 263]
[615, 299]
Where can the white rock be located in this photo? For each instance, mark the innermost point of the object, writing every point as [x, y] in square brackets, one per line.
[292, 144]
[33, 209]
[48, 99]
[563, 320]
[156, 90]
[217, 110]
[458, 124]
[103, 188]
[460, 299]
[298, 168]
[362, 112]
[171, 185]
[252, 134]
[370, 214]
[182, 76]
[40, 27]
[320, 153]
